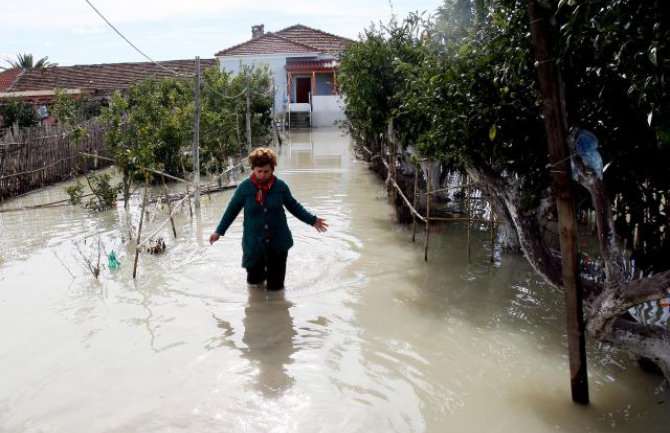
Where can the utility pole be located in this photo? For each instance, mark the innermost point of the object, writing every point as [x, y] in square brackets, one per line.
[274, 109]
[555, 123]
[248, 91]
[196, 136]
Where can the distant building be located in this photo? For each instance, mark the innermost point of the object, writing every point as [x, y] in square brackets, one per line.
[38, 85]
[8, 77]
[304, 63]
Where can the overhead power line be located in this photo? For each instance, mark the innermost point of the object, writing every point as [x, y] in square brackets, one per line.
[127, 40]
[155, 62]
[152, 60]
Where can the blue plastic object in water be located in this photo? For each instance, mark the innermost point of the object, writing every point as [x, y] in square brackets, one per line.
[586, 146]
[112, 261]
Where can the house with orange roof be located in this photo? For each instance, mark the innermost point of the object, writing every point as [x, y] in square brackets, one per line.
[38, 86]
[304, 63]
[99, 81]
[8, 76]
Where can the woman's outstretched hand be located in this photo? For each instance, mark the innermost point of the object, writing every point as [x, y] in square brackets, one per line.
[320, 225]
[214, 237]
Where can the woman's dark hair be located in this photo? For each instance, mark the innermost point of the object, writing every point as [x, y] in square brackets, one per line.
[262, 156]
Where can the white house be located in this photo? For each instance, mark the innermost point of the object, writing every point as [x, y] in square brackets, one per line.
[303, 62]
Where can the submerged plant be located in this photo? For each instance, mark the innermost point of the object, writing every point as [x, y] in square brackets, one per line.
[91, 257]
[104, 193]
[76, 192]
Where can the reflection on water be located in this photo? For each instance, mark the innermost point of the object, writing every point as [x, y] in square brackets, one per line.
[268, 339]
[367, 336]
[268, 334]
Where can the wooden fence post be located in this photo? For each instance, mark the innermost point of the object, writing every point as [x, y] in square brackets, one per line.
[139, 228]
[555, 125]
[468, 209]
[196, 137]
[429, 198]
[416, 187]
[491, 224]
[248, 115]
[391, 138]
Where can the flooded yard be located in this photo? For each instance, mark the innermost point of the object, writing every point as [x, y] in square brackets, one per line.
[367, 337]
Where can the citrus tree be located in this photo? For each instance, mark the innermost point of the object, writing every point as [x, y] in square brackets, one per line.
[464, 88]
[21, 113]
[151, 126]
[222, 120]
[147, 128]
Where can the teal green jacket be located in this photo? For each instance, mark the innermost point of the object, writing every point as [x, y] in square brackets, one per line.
[263, 223]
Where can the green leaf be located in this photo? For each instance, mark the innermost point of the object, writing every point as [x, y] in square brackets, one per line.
[653, 57]
[492, 132]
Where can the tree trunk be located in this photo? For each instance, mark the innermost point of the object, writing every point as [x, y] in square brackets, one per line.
[434, 167]
[508, 238]
[526, 224]
[607, 303]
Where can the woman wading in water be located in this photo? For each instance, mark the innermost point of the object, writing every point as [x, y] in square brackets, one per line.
[266, 237]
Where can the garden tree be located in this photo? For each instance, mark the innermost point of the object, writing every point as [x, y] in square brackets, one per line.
[615, 60]
[26, 61]
[150, 126]
[222, 120]
[259, 81]
[373, 74]
[481, 94]
[147, 128]
[472, 94]
[21, 113]
[368, 78]
[615, 65]
[74, 112]
[461, 15]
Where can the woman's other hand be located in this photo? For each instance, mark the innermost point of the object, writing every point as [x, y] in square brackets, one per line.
[320, 225]
[214, 237]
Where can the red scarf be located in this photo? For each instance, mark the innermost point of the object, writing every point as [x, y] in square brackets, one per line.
[262, 188]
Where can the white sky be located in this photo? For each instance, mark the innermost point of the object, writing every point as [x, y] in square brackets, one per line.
[69, 32]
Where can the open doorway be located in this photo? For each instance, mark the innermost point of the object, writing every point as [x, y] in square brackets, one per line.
[303, 87]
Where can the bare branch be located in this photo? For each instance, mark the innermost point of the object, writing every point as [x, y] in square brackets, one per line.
[618, 298]
[647, 289]
[609, 246]
[649, 341]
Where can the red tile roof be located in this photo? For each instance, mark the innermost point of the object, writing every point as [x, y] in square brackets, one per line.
[297, 39]
[103, 78]
[269, 43]
[7, 77]
[324, 42]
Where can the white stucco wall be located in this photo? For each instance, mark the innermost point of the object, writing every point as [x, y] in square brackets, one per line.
[327, 110]
[276, 64]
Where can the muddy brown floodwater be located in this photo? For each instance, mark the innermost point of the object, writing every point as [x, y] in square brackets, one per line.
[367, 337]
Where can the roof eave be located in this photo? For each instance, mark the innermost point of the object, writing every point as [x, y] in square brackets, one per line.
[38, 93]
[241, 56]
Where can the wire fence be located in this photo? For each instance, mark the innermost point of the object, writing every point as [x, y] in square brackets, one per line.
[31, 158]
